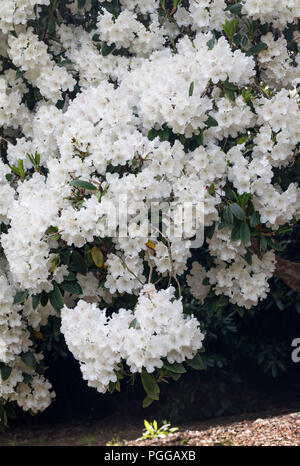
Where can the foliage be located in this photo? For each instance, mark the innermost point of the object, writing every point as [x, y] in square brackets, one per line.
[187, 102]
[153, 431]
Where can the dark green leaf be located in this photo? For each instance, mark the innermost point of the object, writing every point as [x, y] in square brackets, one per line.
[255, 219]
[20, 297]
[235, 234]
[107, 49]
[228, 216]
[210, 230]
[5, 371]
[191, 89]
[205, 281]
[150, 384]
[71, 287]
[65, 63]
[175, 367]
[80, 184]
[263, 243]
[256, 49]
[133, 323]
[245, 234]
[152, 134]
[196, 363]
[147, 401]
[211, 43]
[44, 298]
[78, 263]
[29, 359]
[27, 378]
[56, 298]
[235, 9]
[230, 94]
[237, 211]
[276, 245]
[211, 121]
[51, 26]
[248, 257]
[36, 300]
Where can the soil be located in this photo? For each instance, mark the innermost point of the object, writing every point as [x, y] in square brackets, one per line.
[278, 425]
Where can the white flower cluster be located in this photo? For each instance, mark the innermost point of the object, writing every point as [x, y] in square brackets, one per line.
[17, 12]
[273, 11]
[30, 54]
[157, 329]
[14, 340]
[139, 104]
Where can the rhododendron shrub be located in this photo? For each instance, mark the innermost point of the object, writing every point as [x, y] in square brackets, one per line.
[110, 107]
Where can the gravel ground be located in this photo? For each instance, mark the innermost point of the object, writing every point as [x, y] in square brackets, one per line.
[268, 430]
[279, 425]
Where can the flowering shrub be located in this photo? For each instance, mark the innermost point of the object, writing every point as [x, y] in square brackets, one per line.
[110, 107]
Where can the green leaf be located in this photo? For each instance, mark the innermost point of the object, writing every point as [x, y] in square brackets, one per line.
[27, 378]
[150, 384]
[148, 426]
[211, 121]
[113, 7]
[256, 49]
[70, 278]
[230, 94]
[211, 43]
[78, 263]
[263, 243]
[36, 300]
[107, 49]
[19, 74]
[276, 245]
[51, 26]
[237, 211]
[199, 138]
[44, 298]
[196, 363]
[255, 219]
[29, 359]
[152, 134]
[212, 190]
[71, 287]
[81, 4]
[230, 27]
[191, 89]
[5, 371]
[65, 62]
[56, 298]
[235, 9]
[133, 323]
[210, 230]
[175, 367]
[235, 234]
[147, 401]
[20, 297]
[80, 184]
[245, 233]
[205, 281]
[228, 85]
[166, 133]
[228, 216]
[248, 257]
